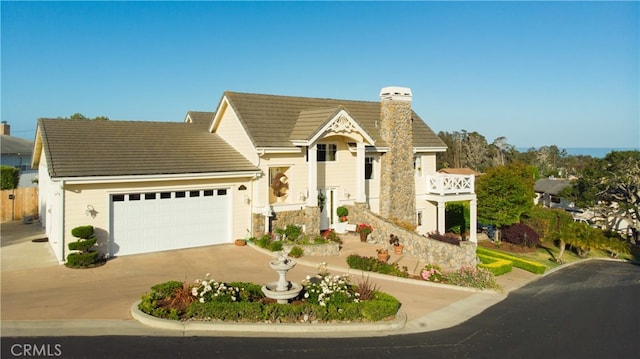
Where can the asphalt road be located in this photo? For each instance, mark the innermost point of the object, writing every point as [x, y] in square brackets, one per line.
[589, 310]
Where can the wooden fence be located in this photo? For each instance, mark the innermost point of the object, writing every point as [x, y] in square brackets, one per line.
[16, 204]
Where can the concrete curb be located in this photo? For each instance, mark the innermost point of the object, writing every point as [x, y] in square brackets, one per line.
[267, 328]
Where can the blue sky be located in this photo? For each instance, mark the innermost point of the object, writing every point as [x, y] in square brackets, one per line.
[537, 73]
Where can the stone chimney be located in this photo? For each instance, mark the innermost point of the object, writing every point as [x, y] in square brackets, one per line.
[5, 129]
[397, 181]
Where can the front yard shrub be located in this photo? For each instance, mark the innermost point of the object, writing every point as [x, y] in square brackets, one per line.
[296, 252]
[372, 264]
[275, 246]
[521, 235]
[432, 273]
[497, 266]
[525, 264]
[150, 301]
[383, 306]
[85, 257]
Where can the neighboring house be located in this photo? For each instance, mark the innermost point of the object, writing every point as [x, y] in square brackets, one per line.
[257, 162]
[465, 171]
[548, 193]
[16, 152]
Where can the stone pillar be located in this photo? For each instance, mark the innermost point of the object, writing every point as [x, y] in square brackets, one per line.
[397, 182]
[312, 220]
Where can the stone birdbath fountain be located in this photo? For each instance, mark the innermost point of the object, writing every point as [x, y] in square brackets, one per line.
[282, 290]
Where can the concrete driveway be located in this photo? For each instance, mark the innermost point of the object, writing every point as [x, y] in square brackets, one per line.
[36, 288]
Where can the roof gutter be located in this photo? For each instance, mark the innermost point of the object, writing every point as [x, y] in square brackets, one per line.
[263, 150]
[157, 178]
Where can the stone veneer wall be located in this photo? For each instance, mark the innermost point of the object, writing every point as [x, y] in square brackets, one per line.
[258, 225]
[397, 179]
[309, 217]
[446, 255]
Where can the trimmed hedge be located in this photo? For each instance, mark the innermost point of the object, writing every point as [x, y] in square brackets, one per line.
[9, 177]
[525, 264]
[381, 306]
[495, 265]
[372, 264]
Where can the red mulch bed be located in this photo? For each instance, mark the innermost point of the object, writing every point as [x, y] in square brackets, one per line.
[506, 247]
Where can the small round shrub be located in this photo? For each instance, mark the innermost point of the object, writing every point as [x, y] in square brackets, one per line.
[342, 211]
[275, 246]
[296, 252]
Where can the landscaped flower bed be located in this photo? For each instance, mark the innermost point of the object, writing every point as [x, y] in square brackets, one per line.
[324, 298]
[466, 276]
[327, 244]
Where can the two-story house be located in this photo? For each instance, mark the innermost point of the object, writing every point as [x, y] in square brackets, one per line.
[257, 162]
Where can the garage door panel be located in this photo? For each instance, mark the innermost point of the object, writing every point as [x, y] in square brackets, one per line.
[170, 220]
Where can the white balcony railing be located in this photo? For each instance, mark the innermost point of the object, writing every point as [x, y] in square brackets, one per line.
[450, 184]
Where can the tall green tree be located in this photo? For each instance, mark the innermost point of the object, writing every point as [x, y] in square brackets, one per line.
[504, 194]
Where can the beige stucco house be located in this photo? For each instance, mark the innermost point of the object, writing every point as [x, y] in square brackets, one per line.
[257, 162]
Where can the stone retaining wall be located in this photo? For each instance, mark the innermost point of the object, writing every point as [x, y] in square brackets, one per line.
[328, 249]
[448, 256]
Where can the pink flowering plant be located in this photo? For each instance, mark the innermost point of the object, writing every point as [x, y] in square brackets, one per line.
[432, 273]
[364, 228]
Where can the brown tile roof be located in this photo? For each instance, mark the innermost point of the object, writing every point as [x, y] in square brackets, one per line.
[272, 121]
[11, 145]
[200, 117]
[78, 148]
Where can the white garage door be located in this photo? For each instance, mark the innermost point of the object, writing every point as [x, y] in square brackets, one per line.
[159, 221]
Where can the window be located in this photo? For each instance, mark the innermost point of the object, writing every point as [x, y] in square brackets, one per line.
[194, 193]
[222, 192]
[165, 195]
[181, 194]
[419, 218]
[134, 197]
[208, 192]
[149, 196]
[368, 168]
[118, 197]
[327, 152]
